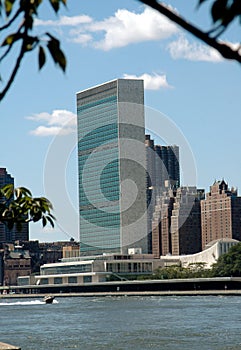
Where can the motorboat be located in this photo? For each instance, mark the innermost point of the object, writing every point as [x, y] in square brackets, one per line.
[48, 299]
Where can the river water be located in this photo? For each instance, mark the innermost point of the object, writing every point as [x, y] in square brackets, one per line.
[118, 323]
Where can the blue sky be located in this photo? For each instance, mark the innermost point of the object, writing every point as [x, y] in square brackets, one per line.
[197, 91]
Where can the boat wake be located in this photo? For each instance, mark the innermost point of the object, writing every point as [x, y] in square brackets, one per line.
[29, 302]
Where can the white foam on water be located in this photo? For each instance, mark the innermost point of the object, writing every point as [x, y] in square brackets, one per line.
[29, 302]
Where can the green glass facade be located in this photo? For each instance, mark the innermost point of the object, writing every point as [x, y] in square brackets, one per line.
[98, 161]
[104, 128]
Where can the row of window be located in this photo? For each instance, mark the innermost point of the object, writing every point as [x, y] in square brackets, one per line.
[89, 121]
[65, 269]
[97, 194]
[97, 103]
[71, 279]
[110, 193]
[103, 206]
[95, 173]
[129, 267]
[97, 213]
[104, 210]
[92, 175]
[103, 154]
[96, 144]
[113, 127]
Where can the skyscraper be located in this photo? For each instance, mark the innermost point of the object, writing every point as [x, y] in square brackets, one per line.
[111, 164]
[167, 166]
[6, 235]
[162, 164]
[186, 221]
[5, 179]
[176, 224]
[163, 171]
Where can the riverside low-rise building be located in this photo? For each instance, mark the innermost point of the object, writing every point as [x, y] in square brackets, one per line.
[106, 267]
[207, 257]
[94, 269]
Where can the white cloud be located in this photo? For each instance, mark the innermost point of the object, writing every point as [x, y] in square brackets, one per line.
[182, 48]
[121, 29]
[127, 27]
[65, 21]
[59, 122]
[151, 82]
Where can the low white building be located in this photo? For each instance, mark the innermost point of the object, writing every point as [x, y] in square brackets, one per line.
[208, 256]
[97, 268]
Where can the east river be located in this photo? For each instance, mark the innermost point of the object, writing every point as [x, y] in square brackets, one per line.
[118, 323]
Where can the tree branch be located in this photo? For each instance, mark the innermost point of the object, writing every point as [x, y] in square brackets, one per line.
[14, 72]
[225, 50]
[11, 20]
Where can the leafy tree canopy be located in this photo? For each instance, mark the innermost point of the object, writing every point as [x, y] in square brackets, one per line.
[229, 264]
[18, 206]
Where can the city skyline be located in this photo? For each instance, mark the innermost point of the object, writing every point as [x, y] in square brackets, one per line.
[196, 90]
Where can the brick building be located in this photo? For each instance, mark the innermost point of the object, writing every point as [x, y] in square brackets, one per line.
[15, 262]
[221, 214]
[176, 223]
[186, 221]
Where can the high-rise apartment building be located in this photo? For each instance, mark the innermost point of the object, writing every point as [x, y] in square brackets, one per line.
[5, 179]
[161, 224]
[6, 235]
[111, 164]
[221, 213]
[163, 171]
[167, 165]
[176, 223]
[186, 221]
[162, 164]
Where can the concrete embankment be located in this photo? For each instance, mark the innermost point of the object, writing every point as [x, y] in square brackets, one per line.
[193, 286]
[113, 294]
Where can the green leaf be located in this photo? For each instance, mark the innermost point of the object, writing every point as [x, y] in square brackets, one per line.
[7, 191]
[56, 53]
[219, 10]
[11, 38]
[8, 5]
[44, 221]
[41, 57]
[22, 191]
[55, 4]
[24, 208]
[50, 221]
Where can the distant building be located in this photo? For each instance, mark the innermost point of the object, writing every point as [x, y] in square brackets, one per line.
[161, 224]
[15, 262]
[48, 252]
[221, 214]
[7, 235]
[206, 257]
[163, 171]
[150, 186]
[186, 221]
[98, 268]
[162, 164]
[110, 120]
[176, 224]
[167, 165]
